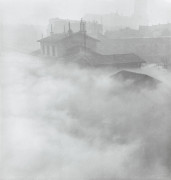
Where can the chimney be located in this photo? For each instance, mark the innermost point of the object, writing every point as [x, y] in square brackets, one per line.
[69, 30]
[81, 22]
[82, 26]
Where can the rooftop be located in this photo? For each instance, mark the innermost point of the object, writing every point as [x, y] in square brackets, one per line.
[95, 58]
[55, 38]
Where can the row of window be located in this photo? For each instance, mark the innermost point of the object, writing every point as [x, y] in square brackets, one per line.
[46, 50]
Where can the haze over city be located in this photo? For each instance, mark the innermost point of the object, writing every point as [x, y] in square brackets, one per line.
[85, 89]
[40, 11]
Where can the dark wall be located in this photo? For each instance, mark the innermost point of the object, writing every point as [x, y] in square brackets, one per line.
[148, 48]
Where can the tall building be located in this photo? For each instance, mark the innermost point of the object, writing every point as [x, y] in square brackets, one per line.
[140, 7]
[141, 12]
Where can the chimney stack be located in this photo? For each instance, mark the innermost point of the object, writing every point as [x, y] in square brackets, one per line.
[82, 26]
[69, 30]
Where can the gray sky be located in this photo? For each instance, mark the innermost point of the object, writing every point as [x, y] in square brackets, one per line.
[39, 11]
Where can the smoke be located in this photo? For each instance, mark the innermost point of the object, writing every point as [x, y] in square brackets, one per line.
[63, 122]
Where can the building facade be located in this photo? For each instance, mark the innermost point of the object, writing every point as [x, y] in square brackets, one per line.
[57, 45]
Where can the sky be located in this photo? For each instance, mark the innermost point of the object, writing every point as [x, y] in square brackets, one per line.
[40, 11]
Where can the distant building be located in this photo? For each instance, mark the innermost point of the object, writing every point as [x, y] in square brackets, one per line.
[112, 21]
[115, 21]
[150, 49]
[93, 29]
[153, 31]
[156, 30]
[122, 33]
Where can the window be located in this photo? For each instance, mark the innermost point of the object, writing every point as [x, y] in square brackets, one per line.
[43, 48]
[47, 50]
[53, 50]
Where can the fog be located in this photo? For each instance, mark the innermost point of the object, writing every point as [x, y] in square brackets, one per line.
[60, 121]
[40, 11]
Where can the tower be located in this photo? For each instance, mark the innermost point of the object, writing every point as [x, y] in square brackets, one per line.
[141, 11]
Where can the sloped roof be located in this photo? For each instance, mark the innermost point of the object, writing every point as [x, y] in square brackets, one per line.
[129, 75]
[94, 58]
[115, 58]
[136, 79]
[52, 39]
[63, 37]
[79, 34]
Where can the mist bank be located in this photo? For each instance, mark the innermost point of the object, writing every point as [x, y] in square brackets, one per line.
[60, 121]
[20, 37]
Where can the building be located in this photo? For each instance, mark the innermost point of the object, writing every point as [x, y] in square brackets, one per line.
[156, 30]
[122, 33]
[80, 48]
[150, 49]
[153, 31]
[57, 45]
[115, 21]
